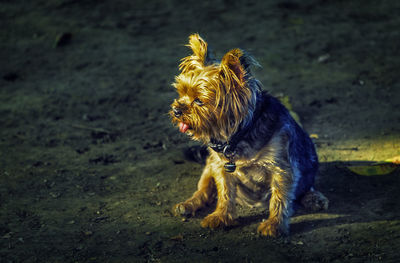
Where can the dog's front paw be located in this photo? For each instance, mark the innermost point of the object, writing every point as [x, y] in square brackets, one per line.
[271, 228]
[216, 220]
[183, 209]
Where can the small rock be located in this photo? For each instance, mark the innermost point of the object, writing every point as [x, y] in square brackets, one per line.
[87, 233]
[55, 195]
[177, 238]
[323, 58]
[63, 39]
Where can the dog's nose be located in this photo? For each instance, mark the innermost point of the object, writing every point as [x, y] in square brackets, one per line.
[177, 112]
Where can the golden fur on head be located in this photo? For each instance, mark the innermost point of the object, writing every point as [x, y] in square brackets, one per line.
[213, 98]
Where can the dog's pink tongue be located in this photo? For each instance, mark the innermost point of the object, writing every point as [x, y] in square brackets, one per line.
[183, 127]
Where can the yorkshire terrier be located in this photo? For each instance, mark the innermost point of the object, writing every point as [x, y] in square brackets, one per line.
[258, 154]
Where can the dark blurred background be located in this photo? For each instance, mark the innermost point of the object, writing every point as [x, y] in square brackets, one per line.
[90, 164]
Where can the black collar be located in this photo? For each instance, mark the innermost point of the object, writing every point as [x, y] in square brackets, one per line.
[228, 148]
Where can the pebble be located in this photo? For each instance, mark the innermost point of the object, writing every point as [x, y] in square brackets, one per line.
[88, 233]
[177, 238]
[55, 195]
[323, 58]
[63, 39]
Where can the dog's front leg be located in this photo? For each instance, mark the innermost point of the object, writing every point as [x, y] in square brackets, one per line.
[204, 194]
[279, 205]
[225, 211]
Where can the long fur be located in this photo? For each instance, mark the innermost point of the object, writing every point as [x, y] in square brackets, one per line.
[276, 160]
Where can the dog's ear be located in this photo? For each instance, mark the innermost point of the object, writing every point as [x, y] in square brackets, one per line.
[235, 67]
[232, 69]
[201, 56]
[235, 93]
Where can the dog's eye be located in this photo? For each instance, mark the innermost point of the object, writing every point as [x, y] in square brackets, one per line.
[198, 102]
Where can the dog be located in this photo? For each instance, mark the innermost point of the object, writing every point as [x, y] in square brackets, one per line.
[258, 154]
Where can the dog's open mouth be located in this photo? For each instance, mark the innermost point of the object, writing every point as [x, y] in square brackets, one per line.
[183, 127]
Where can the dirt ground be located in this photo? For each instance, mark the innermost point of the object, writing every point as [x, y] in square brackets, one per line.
[90, 164]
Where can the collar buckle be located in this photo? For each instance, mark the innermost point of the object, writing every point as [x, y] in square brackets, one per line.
[217, 145]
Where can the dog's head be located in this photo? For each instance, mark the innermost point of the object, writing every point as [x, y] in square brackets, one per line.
[214, 98]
